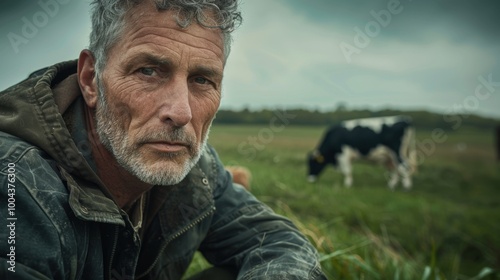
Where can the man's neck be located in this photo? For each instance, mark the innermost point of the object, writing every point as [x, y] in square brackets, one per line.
[125, 188]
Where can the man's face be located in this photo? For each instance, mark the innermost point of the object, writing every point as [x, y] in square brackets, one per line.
[161, 89]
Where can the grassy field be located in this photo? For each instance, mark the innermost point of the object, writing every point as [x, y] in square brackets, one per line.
[446, 227]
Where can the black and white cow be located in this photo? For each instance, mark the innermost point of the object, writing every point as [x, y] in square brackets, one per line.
[385, 140]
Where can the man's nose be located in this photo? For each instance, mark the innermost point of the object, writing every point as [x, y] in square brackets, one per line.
[176, 108]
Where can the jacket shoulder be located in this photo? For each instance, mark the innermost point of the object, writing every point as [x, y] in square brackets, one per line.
[33, 166]
[12, 148]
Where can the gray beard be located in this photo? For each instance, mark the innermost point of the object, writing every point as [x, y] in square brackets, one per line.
[116, 141]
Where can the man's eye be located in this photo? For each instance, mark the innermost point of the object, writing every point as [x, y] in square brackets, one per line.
[147, 71]
[200, 80]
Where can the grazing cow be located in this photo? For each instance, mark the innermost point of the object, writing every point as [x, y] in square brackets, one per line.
[241, 175]
[386, 140]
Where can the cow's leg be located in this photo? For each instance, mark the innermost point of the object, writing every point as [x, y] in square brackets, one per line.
[348, 180]
[346, 169]
[407, 159]
[405, 174]
[391, 165]
[404, 170]
[393, 179]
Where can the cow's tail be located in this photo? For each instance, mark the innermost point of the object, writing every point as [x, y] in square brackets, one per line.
[409, 150]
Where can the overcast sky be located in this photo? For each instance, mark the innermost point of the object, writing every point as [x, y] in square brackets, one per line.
[436, 55]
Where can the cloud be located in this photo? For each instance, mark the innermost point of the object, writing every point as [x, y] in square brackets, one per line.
[291, 57]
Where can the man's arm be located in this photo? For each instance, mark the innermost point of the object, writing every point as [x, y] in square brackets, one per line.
[247, 234]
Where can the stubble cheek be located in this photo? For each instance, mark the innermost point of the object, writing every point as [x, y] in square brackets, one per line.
[208, 110]
[120, 102]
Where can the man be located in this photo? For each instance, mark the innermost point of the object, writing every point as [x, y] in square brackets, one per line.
[105, 165]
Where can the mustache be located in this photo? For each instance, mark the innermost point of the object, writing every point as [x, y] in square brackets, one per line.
[177, 135]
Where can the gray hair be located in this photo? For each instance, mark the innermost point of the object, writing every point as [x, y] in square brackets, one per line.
[108, 21]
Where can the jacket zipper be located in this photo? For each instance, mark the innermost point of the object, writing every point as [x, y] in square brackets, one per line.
[201, 218]
[113, 251]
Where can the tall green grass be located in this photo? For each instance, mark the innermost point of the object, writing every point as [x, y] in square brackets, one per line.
[446, 227]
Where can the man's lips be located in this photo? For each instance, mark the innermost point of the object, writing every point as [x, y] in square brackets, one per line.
[164, 146]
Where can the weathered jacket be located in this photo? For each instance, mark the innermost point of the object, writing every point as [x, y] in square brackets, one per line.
[63, 224]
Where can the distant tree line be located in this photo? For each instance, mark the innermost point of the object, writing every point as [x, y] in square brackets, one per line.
[421, 119]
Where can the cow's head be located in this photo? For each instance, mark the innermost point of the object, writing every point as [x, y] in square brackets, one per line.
[316, 163]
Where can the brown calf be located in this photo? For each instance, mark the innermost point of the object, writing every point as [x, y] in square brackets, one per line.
[241, 175]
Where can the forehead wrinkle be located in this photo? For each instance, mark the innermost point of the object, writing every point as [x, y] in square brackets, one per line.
[146, 15]
[176, 35]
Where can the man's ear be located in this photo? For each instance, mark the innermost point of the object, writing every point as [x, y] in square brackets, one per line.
[87, 78]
